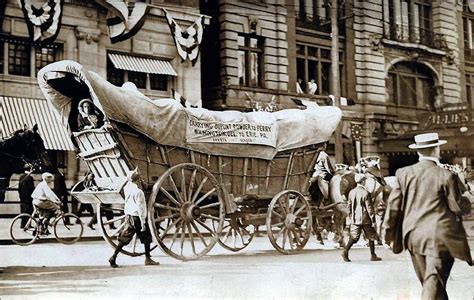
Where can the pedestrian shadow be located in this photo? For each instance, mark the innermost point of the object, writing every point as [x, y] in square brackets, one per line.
[29, 281]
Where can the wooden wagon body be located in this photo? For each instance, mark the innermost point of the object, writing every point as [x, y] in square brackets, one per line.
[238, 191]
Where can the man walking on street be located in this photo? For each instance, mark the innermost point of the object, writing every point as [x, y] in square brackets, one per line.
[424, 216]
[26, 186]
[362, 216]
[136, 212]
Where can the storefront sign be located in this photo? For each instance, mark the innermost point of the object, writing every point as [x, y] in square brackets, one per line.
[446, 119]
[199, 131]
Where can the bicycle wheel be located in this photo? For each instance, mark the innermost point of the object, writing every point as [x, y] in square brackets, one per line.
[26, 235]
[68, 232]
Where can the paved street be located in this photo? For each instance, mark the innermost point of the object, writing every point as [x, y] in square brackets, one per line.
[81, 271]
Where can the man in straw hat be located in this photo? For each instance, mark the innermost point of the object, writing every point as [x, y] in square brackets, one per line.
[424, 216]
[136, 211]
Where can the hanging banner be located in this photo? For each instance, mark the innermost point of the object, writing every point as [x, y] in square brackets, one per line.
[124, 20]
[201, 131]
[43, 23]
[188, 42]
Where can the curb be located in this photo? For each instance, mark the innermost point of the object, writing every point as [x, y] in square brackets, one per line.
[8, 242]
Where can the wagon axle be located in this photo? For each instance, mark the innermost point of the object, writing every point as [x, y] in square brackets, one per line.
[190, 212]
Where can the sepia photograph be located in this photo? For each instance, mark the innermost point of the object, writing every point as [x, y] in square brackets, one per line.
[237, 149]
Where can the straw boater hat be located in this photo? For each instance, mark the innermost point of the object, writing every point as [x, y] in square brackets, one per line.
[426, 140]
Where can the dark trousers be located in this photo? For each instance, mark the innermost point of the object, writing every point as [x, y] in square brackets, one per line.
[25, 208]
[433, 273]
[87, 207]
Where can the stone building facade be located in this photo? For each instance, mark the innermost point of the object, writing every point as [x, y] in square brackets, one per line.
[84, 37]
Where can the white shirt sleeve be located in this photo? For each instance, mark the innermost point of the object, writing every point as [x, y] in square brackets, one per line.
[141, 205]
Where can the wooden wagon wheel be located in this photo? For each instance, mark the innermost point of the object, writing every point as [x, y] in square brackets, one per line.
[236, 235]
[289, 222]
[111, 229]
[184, 203]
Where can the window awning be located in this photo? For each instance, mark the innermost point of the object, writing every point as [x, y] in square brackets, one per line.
[16, 112]
[142, 64]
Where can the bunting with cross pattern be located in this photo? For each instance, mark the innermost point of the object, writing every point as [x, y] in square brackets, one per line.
[43, 22]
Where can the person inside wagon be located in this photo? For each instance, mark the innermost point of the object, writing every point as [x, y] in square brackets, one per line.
[323, 171]
[135, 210]
[88, 117]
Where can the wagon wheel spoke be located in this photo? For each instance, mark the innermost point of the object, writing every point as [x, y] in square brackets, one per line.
[198, 190]
[205, 226]
[168, 195]
[160, 219]
[191, 184]
[175, 235]
[284, 237]
[174, 223]
[166, 207]
[234, 236]
[199, 234]
[114, 220]
[183, 235]
[300, 210]
[175, 188]
[280, 216]
[210, 217]
[116, 231]
[277, 236]
[205, 196]
[241, 236]
[293, 205]
[211, 205]
[290, 239]
[192, 238]
[183, 186]
[226, 235]
[283, 207]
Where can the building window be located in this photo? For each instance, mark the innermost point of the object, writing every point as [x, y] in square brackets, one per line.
[138, 78]
[250, 60]
[410, 84]
[411, 21]
[19, 59]
[468, 32]
[158, 82]
[44, 56]
[25, 58]
[114, 75]
[470, 88]
[315, 63]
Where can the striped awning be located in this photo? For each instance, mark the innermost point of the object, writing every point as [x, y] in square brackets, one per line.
[142, 64]
[15, 112]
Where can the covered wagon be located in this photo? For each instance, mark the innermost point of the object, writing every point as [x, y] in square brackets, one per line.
[209, 176]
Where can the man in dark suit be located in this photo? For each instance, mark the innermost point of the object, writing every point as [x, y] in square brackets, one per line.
[424, 216]
[26, 186]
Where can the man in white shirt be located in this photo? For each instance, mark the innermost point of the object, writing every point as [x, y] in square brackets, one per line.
[312, 87]
[299, 90]
[136, 212]
[45, 199]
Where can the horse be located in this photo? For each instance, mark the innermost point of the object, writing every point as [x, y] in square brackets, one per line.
[340, 185]
[22, 147]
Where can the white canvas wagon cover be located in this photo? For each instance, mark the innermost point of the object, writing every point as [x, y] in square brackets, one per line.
[166, 121]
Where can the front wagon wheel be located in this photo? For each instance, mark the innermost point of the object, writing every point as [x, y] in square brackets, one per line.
[289, 222]
[186, 211]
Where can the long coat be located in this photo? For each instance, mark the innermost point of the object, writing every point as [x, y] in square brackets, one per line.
[428, 202]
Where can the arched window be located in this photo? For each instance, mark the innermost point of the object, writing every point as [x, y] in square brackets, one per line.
[410, 84]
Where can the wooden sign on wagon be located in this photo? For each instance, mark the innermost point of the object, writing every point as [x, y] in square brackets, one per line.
[200, 131]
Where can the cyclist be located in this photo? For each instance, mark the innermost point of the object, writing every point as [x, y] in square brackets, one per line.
[45, 200]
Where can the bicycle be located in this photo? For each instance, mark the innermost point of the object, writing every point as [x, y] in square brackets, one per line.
[34, 228]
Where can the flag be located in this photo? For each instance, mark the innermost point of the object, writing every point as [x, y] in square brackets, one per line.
[43, 23]
[123, 21]
[188, 42]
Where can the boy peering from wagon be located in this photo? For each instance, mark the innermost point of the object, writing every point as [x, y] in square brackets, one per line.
[136, 211]
[88, 117]
[362, 218]
[323, 171]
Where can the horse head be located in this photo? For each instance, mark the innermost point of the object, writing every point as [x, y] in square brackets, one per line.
[24, 146]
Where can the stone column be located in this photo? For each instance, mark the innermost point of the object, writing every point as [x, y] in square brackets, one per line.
[88, 47]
